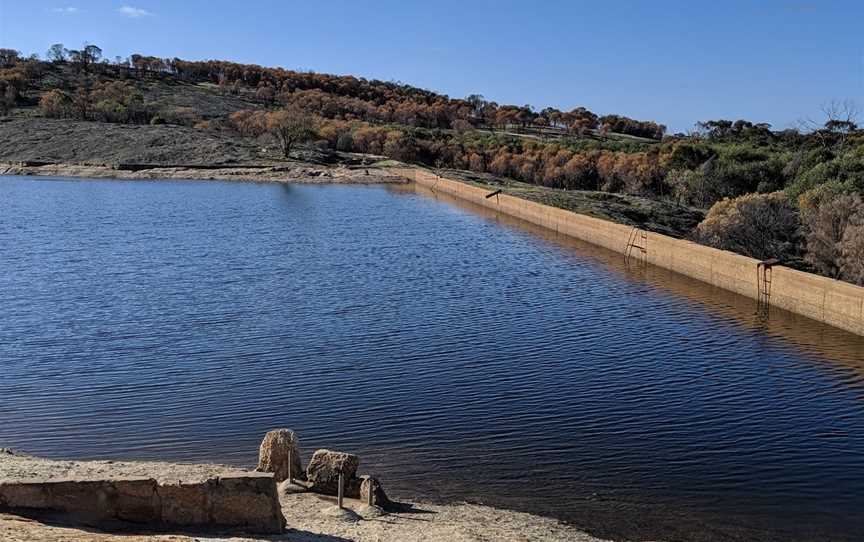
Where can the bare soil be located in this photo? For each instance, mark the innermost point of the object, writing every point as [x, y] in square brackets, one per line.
[67, 141]
[39, 146]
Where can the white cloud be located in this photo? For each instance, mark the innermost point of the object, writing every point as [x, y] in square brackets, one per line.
[134, 13]
[68, 10]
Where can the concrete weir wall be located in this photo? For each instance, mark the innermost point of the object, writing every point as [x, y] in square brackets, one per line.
[246, 502]
[826, 300]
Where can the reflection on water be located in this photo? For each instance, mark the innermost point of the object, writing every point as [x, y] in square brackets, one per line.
[826, 342]
[462, 354]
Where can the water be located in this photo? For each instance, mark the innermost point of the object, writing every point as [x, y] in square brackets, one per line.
[463, 355]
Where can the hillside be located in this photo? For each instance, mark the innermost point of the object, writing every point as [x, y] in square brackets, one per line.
[69, 141]
[26, 135]
[767, 194]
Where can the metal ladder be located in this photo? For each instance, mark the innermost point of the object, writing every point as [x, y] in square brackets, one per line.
[763, 285]
[638, 239]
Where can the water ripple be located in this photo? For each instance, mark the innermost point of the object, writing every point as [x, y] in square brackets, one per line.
[463, 356]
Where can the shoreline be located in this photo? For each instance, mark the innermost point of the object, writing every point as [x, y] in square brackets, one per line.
[299, 172]
[456, 520]
[769, 283]
[308, 515]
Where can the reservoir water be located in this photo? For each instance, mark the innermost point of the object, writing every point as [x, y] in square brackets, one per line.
[462, 355]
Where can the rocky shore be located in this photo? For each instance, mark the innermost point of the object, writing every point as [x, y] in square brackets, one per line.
[295, 173]
[307, 502]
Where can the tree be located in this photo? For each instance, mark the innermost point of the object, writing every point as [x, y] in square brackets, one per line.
[12, 82]
[87, 56]
[399, 146]
[9, 57]
[580, 120]
[580, 172]
[625, 125]
[8, 97]
[92, 54]
[118, 101]
[290, 126]
[714, 129]
[56, 103]
[826, 229]
[478, 105]
[266, 94]
[249, 123]
[462, 125]
[81, 104]
[56, 53]
[852, 252]
[840, 122]
[762, 226]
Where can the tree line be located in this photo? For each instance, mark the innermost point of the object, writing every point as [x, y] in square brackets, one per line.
[354, 98]
[799, 203]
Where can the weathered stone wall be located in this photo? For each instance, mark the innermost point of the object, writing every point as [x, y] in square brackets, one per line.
[826, 300]
[246, 502]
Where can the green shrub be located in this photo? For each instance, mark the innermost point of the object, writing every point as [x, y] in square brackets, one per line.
[811, 200]
[721, 178]
[741, 153]
[689, 156]
[761, 226]
[847, 169]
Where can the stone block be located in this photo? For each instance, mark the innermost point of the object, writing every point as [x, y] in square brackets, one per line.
[185, 504]
[249, 502]
[324, 468]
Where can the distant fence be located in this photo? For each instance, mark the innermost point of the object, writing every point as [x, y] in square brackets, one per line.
[826, 300]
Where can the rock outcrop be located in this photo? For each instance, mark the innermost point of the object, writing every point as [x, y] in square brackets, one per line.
[324, 468]
[372, 492]
[273, 456]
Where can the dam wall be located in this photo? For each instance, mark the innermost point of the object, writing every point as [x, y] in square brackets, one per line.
[830, 301]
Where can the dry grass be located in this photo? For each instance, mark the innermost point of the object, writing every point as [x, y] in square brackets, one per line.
[649, 214]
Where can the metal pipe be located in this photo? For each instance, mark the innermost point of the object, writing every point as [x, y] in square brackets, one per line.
[341, 493]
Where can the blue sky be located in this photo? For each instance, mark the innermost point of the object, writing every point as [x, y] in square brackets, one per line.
[673, 62]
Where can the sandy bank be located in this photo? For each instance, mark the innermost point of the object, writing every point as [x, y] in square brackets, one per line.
[305, 513]
[294, 173]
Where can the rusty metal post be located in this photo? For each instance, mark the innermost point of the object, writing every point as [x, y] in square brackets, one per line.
[369, 498]
[341, 493]
[290, 478]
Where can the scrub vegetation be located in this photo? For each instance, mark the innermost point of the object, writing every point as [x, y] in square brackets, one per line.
[792, 194]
